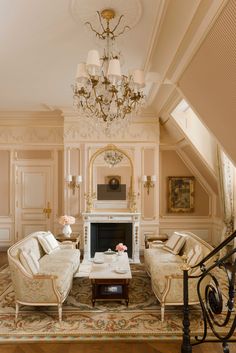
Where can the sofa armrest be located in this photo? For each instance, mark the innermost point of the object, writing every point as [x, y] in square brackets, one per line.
[44, 276]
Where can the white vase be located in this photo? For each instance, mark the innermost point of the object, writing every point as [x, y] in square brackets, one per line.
[67, 230]
[120, 252]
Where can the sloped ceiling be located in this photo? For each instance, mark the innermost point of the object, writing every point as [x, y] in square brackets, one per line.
[209, 82]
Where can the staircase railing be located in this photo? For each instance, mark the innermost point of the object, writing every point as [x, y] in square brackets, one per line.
[218, 311]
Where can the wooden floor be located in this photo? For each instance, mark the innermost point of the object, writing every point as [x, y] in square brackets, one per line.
[110, 347]
[106, 347]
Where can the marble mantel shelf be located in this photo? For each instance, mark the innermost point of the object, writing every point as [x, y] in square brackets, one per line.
[111, 217]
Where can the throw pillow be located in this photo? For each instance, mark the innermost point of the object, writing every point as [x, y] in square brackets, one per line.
[197, 257]
[175, 243]
[48, 242]
[29, 261]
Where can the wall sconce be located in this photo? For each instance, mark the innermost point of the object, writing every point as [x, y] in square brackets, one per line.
[149, 181]
[74, 181]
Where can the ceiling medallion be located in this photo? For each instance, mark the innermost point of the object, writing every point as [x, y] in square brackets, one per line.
[101, 92]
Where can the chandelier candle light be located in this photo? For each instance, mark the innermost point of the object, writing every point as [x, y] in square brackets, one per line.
[66, 221]
[101, 92]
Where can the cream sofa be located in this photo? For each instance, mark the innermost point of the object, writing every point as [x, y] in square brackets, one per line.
[164, 267]
[42, 277]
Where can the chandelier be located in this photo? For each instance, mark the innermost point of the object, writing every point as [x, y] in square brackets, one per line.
[112, 158]
[101, 92]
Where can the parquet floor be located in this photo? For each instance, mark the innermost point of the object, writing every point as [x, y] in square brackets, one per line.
[106, 347]
[110, 347]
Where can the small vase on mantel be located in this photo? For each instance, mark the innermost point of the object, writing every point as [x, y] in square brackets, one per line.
[120, 252]
[67, 230]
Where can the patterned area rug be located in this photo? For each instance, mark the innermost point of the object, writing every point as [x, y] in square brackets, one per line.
[107, 320]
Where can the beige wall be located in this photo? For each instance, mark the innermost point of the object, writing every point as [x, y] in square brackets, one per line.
[5, 183]
[172, 165]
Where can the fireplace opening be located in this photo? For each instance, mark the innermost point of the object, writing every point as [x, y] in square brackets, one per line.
[106, 236]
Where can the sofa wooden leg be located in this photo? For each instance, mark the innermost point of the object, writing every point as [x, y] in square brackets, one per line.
[60, 312]
[162, 311]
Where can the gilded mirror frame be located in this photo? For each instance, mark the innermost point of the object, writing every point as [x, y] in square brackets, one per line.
[91, 193]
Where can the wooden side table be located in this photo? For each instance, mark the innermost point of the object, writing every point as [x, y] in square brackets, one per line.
[74, 238]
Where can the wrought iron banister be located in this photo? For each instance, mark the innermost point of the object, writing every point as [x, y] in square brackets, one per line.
[217, 303]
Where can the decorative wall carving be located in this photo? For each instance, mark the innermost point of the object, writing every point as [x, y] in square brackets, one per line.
[136, 132]
[32, 135]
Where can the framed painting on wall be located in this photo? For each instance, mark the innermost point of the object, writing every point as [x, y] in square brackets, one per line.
[181, 194]
[113, 182]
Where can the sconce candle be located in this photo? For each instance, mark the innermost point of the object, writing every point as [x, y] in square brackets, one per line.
[74, 181]
[149, 182]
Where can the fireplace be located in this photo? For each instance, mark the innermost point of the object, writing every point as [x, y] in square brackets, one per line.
[106, 236]
[104, 230]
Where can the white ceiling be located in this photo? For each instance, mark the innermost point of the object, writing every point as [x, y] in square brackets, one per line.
[43, 40]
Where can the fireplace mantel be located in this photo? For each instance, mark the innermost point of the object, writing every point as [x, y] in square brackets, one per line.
[111, 217]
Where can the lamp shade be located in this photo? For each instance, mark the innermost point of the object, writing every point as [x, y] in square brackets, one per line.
[114, 69]
[93, 58]
[81, 71]
[144, 178]
[153, 178]
[69, 178]
[79, 179]
[138, 78]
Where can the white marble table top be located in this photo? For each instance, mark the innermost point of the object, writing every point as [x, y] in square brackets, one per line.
[110, 266]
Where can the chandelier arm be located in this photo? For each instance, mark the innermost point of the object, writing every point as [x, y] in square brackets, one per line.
[100, 20]
[100, 35]
[124, 29]
[114, 29]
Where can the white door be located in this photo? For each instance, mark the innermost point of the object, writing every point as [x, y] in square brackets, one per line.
[34, 199]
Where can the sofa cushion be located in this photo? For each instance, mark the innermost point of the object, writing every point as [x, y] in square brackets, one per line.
[29, 261]
[175, 243]
[64, 275]
[154, 256]
[48, 242]
[68, 257]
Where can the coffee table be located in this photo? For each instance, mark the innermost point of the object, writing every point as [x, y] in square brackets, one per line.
[107, 282]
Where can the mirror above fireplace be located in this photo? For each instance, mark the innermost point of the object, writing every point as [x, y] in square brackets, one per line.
[111, 181]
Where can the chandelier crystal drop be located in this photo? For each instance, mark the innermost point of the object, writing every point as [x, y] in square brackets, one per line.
[101, 93]
[112, 158]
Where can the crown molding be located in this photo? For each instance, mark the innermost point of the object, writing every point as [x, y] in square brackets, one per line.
[31, 118]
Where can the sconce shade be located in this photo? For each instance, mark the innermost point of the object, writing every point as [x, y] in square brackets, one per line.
[79, 179]
[144, 178]
[153, 178]
[69, 178]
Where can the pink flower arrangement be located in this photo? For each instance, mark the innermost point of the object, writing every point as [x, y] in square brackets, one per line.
[66, 220]
[121, 247]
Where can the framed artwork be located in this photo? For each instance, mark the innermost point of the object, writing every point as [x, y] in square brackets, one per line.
[113, 182]
[181, 194]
